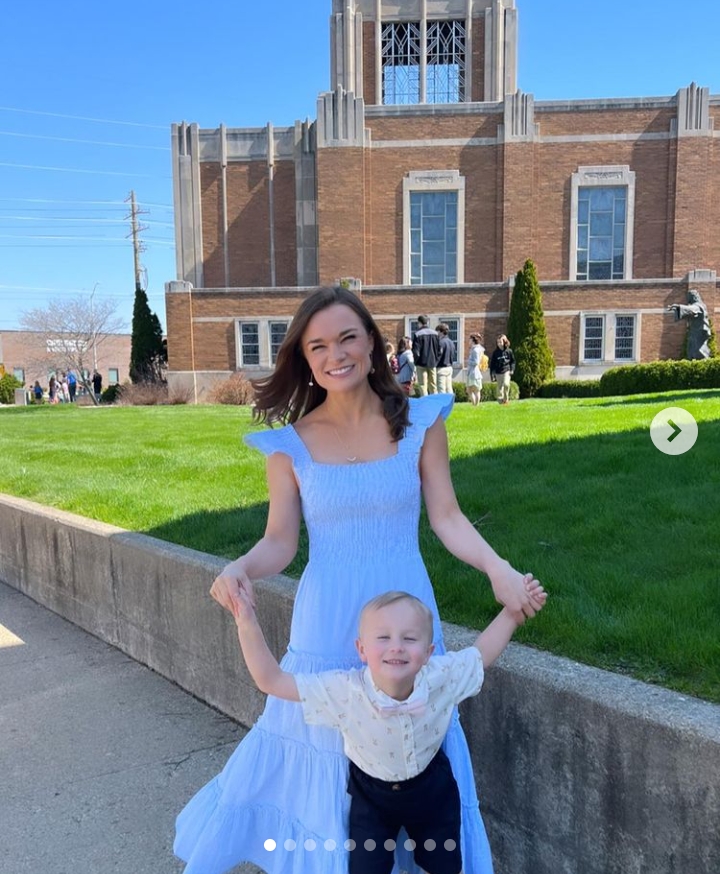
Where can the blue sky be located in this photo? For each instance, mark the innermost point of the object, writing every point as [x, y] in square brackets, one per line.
[90, 90]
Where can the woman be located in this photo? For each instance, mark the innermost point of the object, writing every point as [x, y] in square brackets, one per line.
[406, 373]
[474, 373]
[354, 443]
[502, 367]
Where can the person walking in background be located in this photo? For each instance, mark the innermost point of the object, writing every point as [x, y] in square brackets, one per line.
[52, 390]
[97, 385]
[474, 370]
[72, 386]
[355, 458]
[63, 389]
[37, 392]
[406, 374]
[393, 715]
[445, 359]
[426, 352]
[502, 367]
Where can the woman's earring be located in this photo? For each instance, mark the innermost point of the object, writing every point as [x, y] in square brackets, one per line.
[311, 380]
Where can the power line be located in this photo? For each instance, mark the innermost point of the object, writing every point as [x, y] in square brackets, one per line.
[32, 218]
[82, 118]
[93, 202]
[72, 237]
[4, 133]
[83, 170]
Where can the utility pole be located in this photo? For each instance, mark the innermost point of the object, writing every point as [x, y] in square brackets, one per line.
[136, 230]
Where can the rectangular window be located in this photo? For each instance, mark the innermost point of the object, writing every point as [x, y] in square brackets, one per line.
[113, 375]
[594, 338]
[624, 338]
[401, 62]
[277, 335]
[601, 220]
[19, 373]
[433, 237]
[445, 61]
[249, 343]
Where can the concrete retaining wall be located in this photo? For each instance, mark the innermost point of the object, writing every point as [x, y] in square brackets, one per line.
[581, 771]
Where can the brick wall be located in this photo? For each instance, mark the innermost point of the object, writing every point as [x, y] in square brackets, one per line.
[341, 213]
[28, 350]
[368, 50]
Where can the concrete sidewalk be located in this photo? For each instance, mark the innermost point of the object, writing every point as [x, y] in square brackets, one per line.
[98, 754]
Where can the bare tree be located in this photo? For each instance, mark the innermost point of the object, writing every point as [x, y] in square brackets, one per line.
[72, 330]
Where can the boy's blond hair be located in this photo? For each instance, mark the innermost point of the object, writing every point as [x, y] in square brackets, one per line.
[388, 598]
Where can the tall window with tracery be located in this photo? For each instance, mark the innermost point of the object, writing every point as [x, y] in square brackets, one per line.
[401, 62]
[445, 61]
[444, 54]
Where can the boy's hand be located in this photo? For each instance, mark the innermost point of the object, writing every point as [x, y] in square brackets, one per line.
[243, 609]
[536, 593]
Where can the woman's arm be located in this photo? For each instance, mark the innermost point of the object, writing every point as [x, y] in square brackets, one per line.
[277, 548]
[457, 534]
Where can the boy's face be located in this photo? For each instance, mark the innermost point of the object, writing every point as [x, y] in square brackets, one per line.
[395, 643]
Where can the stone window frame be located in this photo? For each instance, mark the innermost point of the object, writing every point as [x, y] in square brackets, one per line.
[265, 355]
[434, 180]
[609, 350]
[603, 176]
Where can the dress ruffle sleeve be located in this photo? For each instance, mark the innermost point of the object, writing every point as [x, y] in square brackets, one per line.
[275, 440]
[424, 412]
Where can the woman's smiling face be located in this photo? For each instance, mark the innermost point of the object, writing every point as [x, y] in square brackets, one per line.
[337, 348]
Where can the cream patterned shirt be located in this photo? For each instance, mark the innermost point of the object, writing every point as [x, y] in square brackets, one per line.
[385, 738]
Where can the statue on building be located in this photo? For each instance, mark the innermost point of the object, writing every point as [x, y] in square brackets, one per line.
[699, 329]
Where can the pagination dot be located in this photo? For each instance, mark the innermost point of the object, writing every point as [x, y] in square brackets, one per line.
[410, 844]
[450, 845]
[290, 844]
[350, 845]
[270, 845]
[430, 844]
[389, 845]
[330, 844]
[369, 845]
[310, 844]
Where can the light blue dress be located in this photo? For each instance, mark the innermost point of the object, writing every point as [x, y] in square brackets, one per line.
[286, 781]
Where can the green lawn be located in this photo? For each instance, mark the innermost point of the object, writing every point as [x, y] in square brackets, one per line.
[626, 539]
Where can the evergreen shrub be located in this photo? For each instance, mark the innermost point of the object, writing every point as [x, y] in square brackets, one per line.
[534, 361]
[8, 384]
[110, 394]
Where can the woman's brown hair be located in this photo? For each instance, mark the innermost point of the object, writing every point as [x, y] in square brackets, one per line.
[286, 395]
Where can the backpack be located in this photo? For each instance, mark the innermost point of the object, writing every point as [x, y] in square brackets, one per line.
[394, 363]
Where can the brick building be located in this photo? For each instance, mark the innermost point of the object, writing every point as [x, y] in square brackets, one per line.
[430, 178]
[34, 356]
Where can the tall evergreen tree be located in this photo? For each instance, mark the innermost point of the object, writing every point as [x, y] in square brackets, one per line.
[534, 360]
[147, 351]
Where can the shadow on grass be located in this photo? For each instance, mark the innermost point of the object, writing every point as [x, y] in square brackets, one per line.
[667, 398]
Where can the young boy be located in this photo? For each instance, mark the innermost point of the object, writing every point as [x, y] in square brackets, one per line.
[393, 716]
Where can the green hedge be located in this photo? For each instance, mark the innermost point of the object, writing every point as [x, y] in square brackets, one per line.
[570, 388]
[658, 376]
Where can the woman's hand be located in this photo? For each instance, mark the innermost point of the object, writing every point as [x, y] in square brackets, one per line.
[227, 586]
[513, 590]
